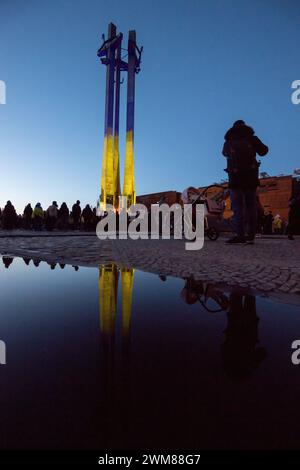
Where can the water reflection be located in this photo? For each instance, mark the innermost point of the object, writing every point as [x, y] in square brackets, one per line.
[141, 361]
[199, 291]
[7, 261]
[241, 354]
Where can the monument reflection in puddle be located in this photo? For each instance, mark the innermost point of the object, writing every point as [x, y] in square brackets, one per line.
[108, 293]
[115, 350]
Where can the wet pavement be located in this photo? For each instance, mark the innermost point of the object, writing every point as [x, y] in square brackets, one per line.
[271, 266]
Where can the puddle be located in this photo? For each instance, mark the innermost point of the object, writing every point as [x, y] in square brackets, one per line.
[115, 358]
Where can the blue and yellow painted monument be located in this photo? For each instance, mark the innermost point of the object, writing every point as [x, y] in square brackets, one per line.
[111, 56]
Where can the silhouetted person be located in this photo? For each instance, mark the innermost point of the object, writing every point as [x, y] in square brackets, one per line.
[9, 217]
[38, 217]
[96, 219]
[260, 215]
[268, 227]
[241, 356]
[63, 216]
[87, 215]
[51, 216]
[36, 263]
[76, 268]
[7, 261]
[294, 216]
[62, 265]
[76, 213]
[277, 224]
[240, 149]
[27, 217]
[27, 260]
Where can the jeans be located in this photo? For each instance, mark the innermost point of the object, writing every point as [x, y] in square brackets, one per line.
[243, 204]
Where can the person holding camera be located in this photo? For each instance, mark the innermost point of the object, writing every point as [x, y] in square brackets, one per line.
[240, 148]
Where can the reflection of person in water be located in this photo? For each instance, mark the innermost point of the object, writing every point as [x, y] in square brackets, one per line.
[52, 265]
[194, 291]
[241, 356]
[36, 263]
[7, 261]
[27, 261]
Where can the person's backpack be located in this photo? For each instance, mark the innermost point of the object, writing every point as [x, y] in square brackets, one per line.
[242, 166]
[241, 154]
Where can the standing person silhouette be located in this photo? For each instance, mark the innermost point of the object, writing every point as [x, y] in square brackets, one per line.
[27, 216]
[9, 217]
[294, 216]
[51, 218]
[240, 149]
[76, 212]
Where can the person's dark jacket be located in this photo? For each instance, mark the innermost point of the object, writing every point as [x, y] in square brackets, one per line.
[248, 177]
[9, 216]
[87, 214]
[294, 205]
[63, 212]
[27, 212]
[76, 211]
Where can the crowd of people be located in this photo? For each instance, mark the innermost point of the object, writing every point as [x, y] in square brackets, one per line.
[53, 218]
[268, 224]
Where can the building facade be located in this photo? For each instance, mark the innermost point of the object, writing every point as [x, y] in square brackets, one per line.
[274, 193]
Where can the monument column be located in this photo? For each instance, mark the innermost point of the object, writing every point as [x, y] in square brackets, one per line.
[107, 179]
[129, 182]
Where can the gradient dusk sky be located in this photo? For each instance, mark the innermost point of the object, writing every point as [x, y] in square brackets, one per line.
[206, 63]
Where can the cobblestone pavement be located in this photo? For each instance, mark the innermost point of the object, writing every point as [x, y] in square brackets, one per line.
[271, 266]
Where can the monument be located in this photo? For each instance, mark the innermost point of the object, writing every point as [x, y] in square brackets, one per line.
[111, 56]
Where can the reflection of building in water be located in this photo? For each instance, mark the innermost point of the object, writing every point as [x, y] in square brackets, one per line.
[108, 291]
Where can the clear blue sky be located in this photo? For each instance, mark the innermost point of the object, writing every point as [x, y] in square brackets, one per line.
[206, 63]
